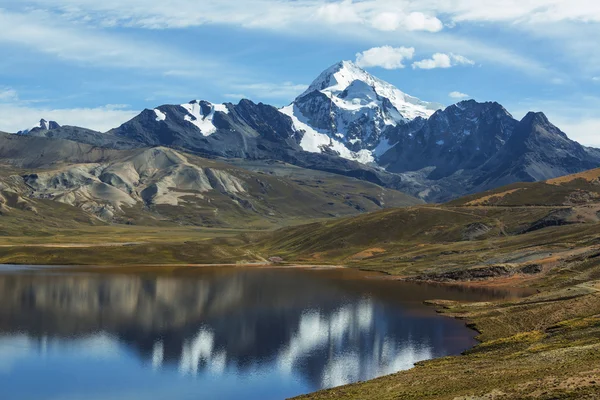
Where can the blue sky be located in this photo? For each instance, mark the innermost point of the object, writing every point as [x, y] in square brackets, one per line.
[98, 63]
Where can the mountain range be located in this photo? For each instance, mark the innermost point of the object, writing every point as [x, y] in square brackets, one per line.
[159, 185]
[348, 124]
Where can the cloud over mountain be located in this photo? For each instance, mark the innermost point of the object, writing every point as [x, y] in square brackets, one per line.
[386, 57]
[441, 60]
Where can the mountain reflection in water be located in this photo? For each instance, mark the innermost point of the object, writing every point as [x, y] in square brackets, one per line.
[215, 332]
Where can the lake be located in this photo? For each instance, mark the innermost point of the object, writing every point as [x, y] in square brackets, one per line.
[214, 333]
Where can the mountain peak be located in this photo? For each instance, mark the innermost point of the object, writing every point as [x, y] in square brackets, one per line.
[47, 125]
[535, 118]
[338, 77]
[472, 105]
[43, 125]
[346, 65]
[535, 134]
[346, 110]
[537, 124]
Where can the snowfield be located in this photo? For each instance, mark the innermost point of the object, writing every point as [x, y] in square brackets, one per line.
[203, 122]
[358, 108]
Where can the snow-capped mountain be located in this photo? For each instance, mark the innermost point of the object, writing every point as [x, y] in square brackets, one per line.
[43, 125]
[348, 122]
[200, 114]
[348, 111]
[244, 130]
[345, 112]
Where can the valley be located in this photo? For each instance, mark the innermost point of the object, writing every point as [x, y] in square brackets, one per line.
[541, 236]
[356, 175]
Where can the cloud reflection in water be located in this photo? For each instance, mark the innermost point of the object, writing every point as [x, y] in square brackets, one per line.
[276, 333]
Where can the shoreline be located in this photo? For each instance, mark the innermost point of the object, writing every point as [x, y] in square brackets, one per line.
[513, 337]
[166, 267]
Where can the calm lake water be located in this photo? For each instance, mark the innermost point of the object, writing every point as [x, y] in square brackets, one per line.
[213, 333]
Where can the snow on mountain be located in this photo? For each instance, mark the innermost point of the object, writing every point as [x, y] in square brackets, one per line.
[201, 114]
[314, 141]
[160, 116]
[43, 125]
[346, 110]
[337, 78]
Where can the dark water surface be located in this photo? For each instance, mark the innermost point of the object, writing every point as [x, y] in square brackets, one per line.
[213, 333]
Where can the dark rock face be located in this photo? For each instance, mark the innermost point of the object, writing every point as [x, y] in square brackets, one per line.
[536, 151]
[87, 136]
[361, 130]
[42, 126]
[463, 136]
[246, 130]
[479, 274]
[479, 146]
[53, 130]
[53, 125]
[466, 148]
[555, 218]
[435, 155]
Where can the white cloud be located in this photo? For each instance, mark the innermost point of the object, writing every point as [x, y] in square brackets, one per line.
[386, 57]
[458, 95]
[586, 130]
[441, 60]
[576, 115]
[415, 21]
[365, 20]
[16, 117]
[348, 20]
[42, 32]
[263, 14]
[387, 21]
[518, 11]
[338, 13]
[596, 78]
[254, 13]
[8, 94]
[67, 28]
[438, 60]
[461, 60]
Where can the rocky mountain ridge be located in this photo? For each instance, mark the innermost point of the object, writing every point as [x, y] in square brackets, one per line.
[348, 122]
[160, 185]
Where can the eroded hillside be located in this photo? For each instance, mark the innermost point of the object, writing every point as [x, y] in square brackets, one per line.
[154, 186]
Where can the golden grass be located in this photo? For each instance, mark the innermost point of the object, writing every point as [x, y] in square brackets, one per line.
[589, 176]
[485, 199]
[532, 349]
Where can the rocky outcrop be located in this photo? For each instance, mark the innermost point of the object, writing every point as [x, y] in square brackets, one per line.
[479, 273]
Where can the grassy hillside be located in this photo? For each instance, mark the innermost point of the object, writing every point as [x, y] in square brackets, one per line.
[422, 239]
[577, 189]
[163, 187]
[544, 347]
[543, 235]
[468, 232]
